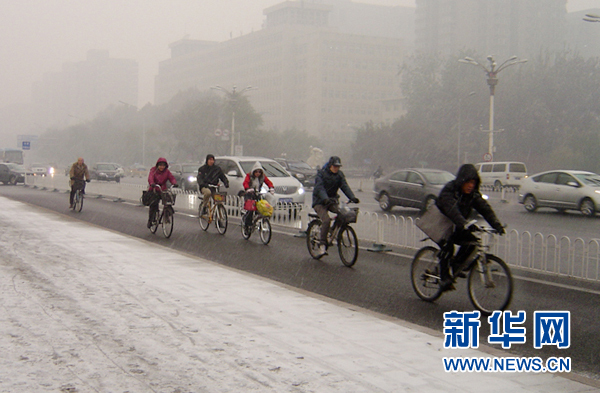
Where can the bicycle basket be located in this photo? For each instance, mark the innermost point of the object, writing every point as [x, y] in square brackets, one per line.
[264, 208]
[348, 215]
[220, 196]
[147, 197]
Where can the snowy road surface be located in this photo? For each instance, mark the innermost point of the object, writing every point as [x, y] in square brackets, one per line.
[88, 310]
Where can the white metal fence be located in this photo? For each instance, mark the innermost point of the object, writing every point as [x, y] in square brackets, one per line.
[537, 252]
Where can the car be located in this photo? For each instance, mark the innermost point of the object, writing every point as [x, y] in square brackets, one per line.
[186, 175]
[502, 174]
[562, 190]
[287, 188]
[138, 170]
[105, 171]
[416, 188]
[42, 169]
[11, 173]
[300, 170]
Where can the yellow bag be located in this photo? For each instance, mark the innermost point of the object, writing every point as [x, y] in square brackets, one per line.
[264, 208]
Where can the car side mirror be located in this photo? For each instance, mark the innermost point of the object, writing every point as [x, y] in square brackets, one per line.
[573, 184]
[233, 172]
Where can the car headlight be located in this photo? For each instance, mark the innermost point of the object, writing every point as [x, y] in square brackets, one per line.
[484, 196]
[51, 171]
[192, 179]
[299, 175]
[301, 191]
[597, 191]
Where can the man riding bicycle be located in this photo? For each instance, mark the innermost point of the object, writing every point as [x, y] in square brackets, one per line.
[209, 174]
[158, 176]
[325, 195]
[78, 171]
[456, 201]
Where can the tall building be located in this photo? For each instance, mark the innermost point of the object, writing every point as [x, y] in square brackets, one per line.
[310, 75]
[82, 89]
[492, 27]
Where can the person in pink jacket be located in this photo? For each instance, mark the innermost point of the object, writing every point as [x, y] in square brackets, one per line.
[158, 176]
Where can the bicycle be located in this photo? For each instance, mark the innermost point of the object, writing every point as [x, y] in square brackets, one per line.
[489, 280]
[260, 223]
[166, 215]
[215, 211]
[78, 197]
[340, 230]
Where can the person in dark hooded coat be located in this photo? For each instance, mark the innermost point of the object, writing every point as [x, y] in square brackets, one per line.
[209, 174]
[329, 180]
[457, 200]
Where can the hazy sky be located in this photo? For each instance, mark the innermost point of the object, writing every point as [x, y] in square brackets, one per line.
[38, 36]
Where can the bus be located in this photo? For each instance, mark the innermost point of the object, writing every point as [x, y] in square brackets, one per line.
[11, 155]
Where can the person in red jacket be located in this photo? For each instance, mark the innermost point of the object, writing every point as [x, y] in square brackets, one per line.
[158, 176]
[252, 184]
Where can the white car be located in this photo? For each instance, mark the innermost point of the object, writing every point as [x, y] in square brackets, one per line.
[562, 190]
[287, 188]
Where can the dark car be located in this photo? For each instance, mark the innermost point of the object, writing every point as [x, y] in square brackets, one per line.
[106, 171]
[186, 175]
[418, 188]
[12, 173]
[300, 170]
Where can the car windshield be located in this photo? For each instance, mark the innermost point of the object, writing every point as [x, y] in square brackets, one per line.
[299, 165]
[272, 169]
[106, 167]
[438, 177]
[189, 168]
[15, 167]
[589, 179]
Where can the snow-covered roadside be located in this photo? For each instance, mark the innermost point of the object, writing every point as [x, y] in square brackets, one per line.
[89, 310]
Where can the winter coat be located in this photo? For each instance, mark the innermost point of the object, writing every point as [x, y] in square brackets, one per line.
[458, 206]
[327, 185]
[255, 183]
[78, 172]
[211, 175]
[157, 177]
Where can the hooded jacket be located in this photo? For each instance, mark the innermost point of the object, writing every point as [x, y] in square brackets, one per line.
[210, 175]
[157, 177]
[251, 182]
[327, 185]
[458, 206]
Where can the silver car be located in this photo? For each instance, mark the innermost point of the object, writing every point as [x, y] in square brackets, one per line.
[287, 188]
[417, 188]
[562, 190]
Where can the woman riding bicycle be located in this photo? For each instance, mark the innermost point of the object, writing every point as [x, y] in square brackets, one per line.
[456, 201]
[158, 176]
[252, 184]
[325, 195]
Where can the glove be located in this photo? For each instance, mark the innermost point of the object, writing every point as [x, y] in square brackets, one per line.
[88, 180]
[272, 191]
[250, 190]
[354, 200]
[175, 185]
[473, 228]
[500, 229]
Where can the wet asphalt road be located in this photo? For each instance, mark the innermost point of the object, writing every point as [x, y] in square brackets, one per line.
[379, 282]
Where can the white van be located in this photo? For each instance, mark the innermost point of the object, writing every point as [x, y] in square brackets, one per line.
[499, 174]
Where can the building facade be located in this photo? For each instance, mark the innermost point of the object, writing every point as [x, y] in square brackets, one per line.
[310, 76]
[82, 89]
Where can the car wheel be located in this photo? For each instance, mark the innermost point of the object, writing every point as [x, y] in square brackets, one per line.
[530, 203]
[384, 202]
[587, 207]
[429, 202]
[497, 184]
[12, 180]
[241, 194]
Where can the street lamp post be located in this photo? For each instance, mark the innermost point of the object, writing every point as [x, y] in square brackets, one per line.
[459, 126]
[492, 72]
[232, 95]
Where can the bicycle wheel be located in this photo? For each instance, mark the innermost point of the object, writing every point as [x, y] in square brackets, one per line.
[425, 274]
[313, 235]
[168, 221]
[203, 219]
[75, 204]
[347, 245]
[246, 231]
[154, 226]
[264, 230]
[80, 201]
[490, 284]
[221, 219]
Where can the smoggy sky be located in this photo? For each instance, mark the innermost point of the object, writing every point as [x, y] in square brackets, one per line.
[38, 36]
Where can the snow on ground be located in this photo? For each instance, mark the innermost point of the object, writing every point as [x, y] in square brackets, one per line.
[89, 310]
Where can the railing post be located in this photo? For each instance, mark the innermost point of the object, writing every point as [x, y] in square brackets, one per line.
[303, 221]
[379, 246]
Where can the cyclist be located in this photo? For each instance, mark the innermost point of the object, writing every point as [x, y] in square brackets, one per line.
[325, 195]
[456, 201]
[78, 171]
[209, 174]
[159, 175]
[252, 184]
